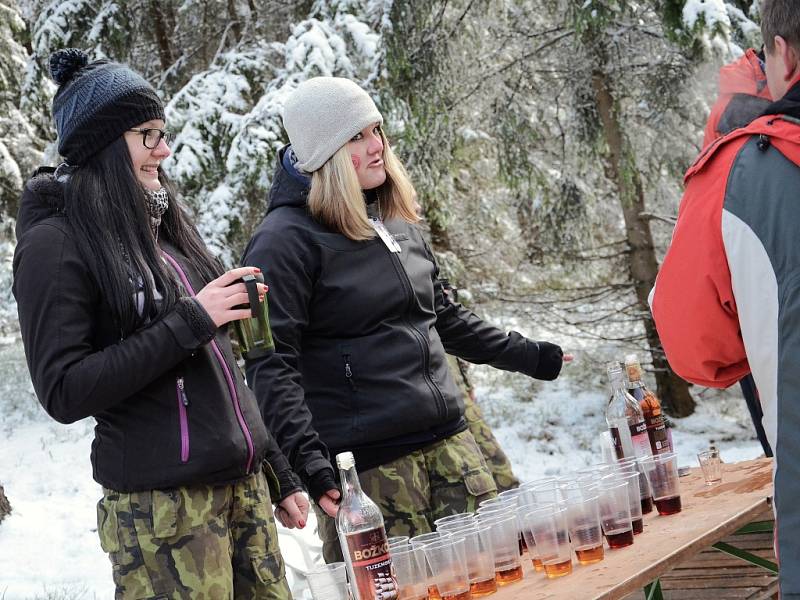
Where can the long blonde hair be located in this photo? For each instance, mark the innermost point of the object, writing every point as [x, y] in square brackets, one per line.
[337, 201]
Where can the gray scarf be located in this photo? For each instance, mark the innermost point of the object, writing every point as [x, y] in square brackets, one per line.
[156, 204]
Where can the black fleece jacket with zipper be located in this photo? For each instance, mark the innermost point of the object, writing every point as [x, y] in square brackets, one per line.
[360, 340]
[169, 401]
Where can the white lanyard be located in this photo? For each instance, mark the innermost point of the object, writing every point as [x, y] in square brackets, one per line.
[384, 234]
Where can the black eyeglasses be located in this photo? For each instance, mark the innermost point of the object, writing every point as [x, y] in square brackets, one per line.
[152, 136]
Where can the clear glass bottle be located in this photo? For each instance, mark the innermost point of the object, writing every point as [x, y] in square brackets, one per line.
[660, 441]
[624, 418]
[363, 538]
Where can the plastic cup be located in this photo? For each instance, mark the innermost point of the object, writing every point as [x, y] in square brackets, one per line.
[711, 464]
[504, 531]
[410, 571]
[615, 515]
[662, 474]
[448, 563]
[397, 541]
[548, 526]
[329, 582]
[460, 517]
[480, 559]
[418, 541]
[634, 498]
[585, 530]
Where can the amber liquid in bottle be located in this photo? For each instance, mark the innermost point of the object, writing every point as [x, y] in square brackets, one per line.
[590, 555]
[363, 538]
[507, 576]
[650, 405]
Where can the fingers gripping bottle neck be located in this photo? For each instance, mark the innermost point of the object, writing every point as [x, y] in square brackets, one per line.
[363, 538]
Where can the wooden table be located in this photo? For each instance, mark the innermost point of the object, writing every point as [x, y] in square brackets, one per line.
[709, 514]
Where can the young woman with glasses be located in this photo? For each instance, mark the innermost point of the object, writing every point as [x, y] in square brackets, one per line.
[124, 317]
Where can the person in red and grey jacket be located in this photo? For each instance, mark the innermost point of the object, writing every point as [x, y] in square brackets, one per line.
[743, 95]
[727, 298]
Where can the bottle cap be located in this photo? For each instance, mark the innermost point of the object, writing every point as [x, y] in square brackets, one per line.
[631, 359]
[345, 460]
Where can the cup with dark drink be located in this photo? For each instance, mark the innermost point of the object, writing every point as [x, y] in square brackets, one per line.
[615, 514]
[662, 474]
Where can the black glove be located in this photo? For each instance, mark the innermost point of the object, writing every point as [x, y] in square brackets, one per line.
[550, 360]
[320, 482]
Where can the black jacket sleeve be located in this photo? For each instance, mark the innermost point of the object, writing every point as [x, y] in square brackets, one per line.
[57, 301]
[467, 336]
[275, 379]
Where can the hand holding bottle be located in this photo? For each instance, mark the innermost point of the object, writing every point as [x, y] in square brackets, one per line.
[220, 296]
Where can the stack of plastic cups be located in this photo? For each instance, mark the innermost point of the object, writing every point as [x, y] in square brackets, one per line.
[504, 529]
[419, 542]
[615, 514]
[410, 569]
[480, 558]
[504, 506]
[548, 526]
[586, 533]
[448, 563]
[329, 582]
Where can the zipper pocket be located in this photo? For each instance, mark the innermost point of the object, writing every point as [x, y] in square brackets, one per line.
[183, 403]
[348, 372]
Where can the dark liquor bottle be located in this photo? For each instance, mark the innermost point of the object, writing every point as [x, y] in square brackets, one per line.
[625, 419]
[651, 408]
[363, 538]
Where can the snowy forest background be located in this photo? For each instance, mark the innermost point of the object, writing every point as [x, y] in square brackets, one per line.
[547, 141]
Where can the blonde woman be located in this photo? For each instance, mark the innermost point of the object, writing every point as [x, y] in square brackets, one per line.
[362, 322]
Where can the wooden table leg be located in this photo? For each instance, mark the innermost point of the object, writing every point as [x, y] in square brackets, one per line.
[652, 591]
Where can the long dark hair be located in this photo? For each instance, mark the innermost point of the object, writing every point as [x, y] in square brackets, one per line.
[105, 204]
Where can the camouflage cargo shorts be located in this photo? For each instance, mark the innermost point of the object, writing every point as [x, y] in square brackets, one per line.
[198, 543]
[445, 478]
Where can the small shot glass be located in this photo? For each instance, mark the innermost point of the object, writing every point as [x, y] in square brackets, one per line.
[711, 465]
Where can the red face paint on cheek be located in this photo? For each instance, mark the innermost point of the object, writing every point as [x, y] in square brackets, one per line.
[356, 160]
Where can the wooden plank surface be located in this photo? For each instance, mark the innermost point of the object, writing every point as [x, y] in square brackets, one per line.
[713, 575]
[709, 514]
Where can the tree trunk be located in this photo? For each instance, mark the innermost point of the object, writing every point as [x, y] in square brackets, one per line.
[642, 263]
[5, 506]
[162, 32]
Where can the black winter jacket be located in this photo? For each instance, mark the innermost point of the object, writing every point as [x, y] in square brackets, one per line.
[360, 335]
[169, 400]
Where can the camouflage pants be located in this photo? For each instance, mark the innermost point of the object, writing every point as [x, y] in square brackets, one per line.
[495, 457]
[497, 460]
[198, 543]
[445, 478]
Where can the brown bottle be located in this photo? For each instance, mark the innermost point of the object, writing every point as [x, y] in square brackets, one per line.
[660, 441]
[363, 538]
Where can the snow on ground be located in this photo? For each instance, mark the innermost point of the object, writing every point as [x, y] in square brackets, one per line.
[49, 548]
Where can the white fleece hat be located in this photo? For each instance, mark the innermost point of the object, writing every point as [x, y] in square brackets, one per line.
[321, 116]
